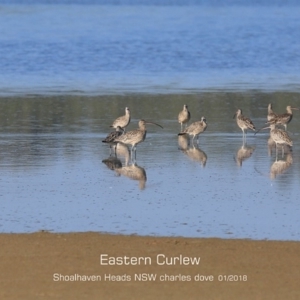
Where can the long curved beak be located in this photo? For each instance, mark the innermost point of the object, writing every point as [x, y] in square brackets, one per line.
[147, 122]
[296, 108]
[234, 116]
[261, 129]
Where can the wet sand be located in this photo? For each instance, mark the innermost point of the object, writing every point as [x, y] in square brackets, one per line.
[41, 266]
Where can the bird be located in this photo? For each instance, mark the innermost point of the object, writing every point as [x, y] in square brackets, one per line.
[184, 116]
[283, 119]
[271, 115]
[195, 128]
[134, 137]
[113, 135]
[243, 122]
[280, 137]
[122, 121]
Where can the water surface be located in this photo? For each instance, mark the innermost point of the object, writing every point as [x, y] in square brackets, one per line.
[69, 68]
[53, 178]
[145, 46]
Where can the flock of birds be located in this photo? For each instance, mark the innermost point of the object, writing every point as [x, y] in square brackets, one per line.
[121, 138]
[134, 137]
[277, 135]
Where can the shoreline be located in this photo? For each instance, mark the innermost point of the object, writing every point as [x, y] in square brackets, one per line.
[104, 233]
[42, 264]
[289, 88]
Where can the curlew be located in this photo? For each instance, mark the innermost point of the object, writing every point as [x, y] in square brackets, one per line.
[136, 136]
[184, 116]
[122, 121]
[195, 129]
[283, 119]
[243, 122]
[112, 136]
[271, 115]
[280, 137]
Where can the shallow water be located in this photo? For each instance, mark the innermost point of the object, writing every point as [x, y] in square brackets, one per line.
[152, 56]
[53, 178]
[159, 47]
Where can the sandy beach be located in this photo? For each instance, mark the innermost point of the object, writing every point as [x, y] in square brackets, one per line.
[102, 266]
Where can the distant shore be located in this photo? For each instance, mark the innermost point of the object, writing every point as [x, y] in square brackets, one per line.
[97, 266]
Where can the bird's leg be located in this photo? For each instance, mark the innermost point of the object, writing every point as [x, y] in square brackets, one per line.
[244, 139]
[193, 140]
[133, 159]
[112, 150]
[134, 154]
[282, 151]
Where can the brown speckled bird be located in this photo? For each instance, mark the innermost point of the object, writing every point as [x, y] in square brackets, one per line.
[184, 116]
[283, 119]
[122, 121]
[195, 128]
[243, 122]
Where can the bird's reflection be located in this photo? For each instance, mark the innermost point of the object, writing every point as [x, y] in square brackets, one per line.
[112, 163]
[122, 151]
[243, 153]
[192, 151]
[272, 146]
[183, 142]
[280, 166]
[134, 172]
[122, 164]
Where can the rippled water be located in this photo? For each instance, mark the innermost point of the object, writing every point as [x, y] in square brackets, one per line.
[148, 46]
[53, 178]
[60, 60]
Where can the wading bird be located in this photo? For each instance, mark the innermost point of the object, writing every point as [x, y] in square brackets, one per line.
[110, 139]
[136, 136]
[271, 115]
[195, 129]
[184, 116]
[243, 122]
[280, 137]
[122, 121]
[283, 119]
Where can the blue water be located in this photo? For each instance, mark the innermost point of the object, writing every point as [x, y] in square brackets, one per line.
[99, 47]
[52, 175]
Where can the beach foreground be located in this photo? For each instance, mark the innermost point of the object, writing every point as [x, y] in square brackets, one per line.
[80, 266]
